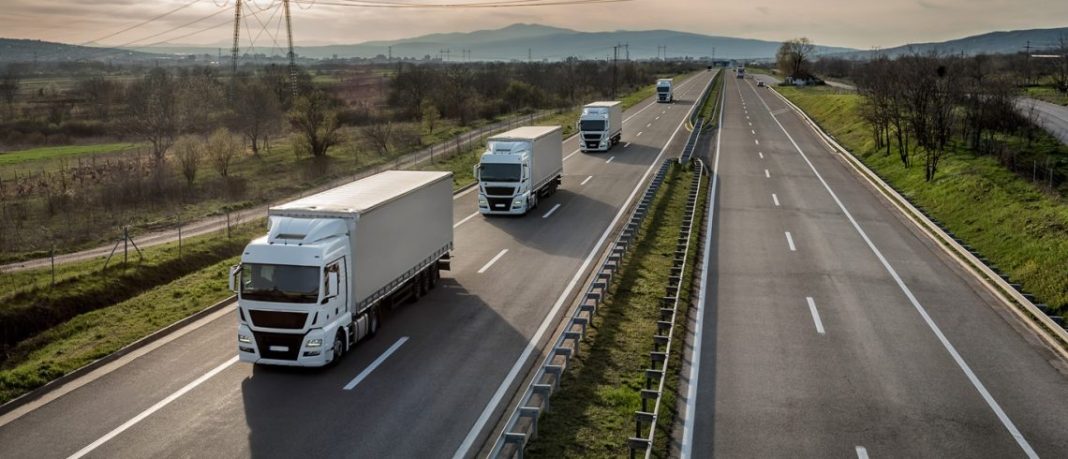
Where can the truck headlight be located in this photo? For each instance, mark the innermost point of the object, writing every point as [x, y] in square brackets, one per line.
[244, 339]
[482, 202]
[519, 201]
[317, 342]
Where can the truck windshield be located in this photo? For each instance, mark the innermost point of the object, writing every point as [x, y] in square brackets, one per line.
[663, 88]
[499, 172]
[591, 125]
[280, 283]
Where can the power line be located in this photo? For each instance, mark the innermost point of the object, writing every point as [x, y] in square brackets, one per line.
[487, 4]
[127, 29]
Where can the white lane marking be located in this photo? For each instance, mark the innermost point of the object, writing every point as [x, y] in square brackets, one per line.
[776, 199]
[464, 220]
[750, 124]
[658, 117]
[639, 134]
[993, 404]
[757, 141]
[815, 315]
[767, 173]
[152, 409]
[584, 181]
[382, 358]
[626, 145]
[492, 261]
[747, 117]
[610, 160]
[862, 452]
[761, 154]
[753, 131]
[649, 124]
[790, 242]
[572, 154]
[550, 212]
[702, 298]
[513, 373]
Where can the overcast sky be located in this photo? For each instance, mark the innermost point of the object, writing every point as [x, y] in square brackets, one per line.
[853, 23]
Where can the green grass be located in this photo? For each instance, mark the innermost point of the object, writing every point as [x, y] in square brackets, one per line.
[96, 334]
[1020, 228]
[592, 414]
[52, 153]
[710, 110]
[1048, 94]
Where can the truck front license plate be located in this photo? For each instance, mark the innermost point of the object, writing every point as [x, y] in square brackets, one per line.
[280, 348]
[499, 205]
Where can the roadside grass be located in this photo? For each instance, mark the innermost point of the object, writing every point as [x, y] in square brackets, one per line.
[1048, 94]
[96, 334]
[710, 110]
[1019, 227]
[592, 414]
[11, 158]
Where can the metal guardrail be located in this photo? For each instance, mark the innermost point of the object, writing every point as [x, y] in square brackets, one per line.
[522, 424]
[660, 356]
[691, 142]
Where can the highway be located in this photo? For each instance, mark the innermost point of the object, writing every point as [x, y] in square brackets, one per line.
[432, 383]
[832, 327]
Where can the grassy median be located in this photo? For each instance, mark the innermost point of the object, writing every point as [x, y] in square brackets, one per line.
[1020, 227]
[592, 414]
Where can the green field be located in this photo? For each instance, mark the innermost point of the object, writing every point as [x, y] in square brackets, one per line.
[12, 158]
[710, 110]
[1047, 94]
[1018, 226]
[592, 413]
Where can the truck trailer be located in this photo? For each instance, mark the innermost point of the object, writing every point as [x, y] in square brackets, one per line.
[664, 91]
[600, 125]
[315, 284]
[518, 168]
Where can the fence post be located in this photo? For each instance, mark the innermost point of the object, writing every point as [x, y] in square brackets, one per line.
[52, 256]
[228, 224]
[179, 238]
[125, 243]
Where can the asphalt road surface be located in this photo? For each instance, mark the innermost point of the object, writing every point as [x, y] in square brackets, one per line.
[430, 384]
[832, 328]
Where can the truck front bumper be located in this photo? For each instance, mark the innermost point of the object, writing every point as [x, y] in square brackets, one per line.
[502, 205]
[279, 348]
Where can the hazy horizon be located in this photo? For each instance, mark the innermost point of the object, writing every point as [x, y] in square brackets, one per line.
[826, 22]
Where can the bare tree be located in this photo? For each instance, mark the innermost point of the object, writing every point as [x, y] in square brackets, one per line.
[222, 148]
[257, 113]
[379, 136]
[430, 116]
[188, 150]
[152, 108]
[315, 119]
[793, 57]
[9, 88]
[100, 95]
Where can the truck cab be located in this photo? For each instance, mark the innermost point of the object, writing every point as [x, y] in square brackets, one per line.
[664, 91]
[292, 294]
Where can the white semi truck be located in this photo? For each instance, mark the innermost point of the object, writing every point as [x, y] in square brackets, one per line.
[600, 125]
[518, 168]
[664, 90]
[316, 283]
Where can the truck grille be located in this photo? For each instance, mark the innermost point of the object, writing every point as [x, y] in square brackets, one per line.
[500, 190]
[592, 144]
[592, 137]
[278, 319]
[500, 204]
[291, 341]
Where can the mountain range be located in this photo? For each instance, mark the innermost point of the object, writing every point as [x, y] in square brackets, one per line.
[538, 42]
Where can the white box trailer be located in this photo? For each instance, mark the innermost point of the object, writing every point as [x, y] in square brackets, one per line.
[312, 287]
[518, 168]
[600, 125]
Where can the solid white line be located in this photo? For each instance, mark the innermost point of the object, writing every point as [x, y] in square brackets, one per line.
[702, 298]
[767, 173]
[462, 193]
[498, 395]
[993, 404]
[572, 154]
[790, 241]
[776, 199]
[550, 212]
[639, 134]
[152, 409]
[862, 452]
[584, 181]
[761, 154]
[610, 160]
[382, 358]
[464, 220]
[492, 261]
[815, 314]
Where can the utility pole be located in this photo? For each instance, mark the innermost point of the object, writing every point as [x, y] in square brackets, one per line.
[530, 55]
[390, 54]
[233, 50]
[626, 46]
[292, 55]
[615, 58]
[1027, 63]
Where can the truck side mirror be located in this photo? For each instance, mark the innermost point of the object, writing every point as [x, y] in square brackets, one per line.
[235, 278]
[331, 285]
[474, 172]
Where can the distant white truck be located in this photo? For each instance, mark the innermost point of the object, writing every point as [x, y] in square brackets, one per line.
[518, 168]
[600, 125]
[664, 91]
[315, 284]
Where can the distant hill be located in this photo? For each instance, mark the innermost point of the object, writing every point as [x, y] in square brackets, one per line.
[1003, 42]
[18, 50]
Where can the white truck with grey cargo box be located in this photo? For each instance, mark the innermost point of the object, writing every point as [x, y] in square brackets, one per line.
[665, 91]
[314, 285]
[600, 126]
[518, 168]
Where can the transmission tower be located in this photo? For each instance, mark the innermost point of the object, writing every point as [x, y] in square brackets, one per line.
[237, 46]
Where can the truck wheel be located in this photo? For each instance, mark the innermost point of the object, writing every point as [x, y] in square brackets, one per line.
[435, 274]
[339, 348]
[372, 328]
